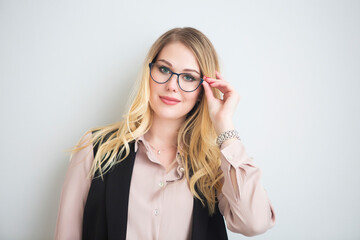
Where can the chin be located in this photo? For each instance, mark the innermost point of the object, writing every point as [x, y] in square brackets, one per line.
[164, 113]
[170, 115]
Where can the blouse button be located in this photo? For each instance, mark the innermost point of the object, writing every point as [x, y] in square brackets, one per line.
[182, 169]
[156, 212]
[161, 184]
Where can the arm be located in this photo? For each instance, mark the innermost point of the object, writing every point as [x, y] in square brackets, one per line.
[73, 195]
[243, 202]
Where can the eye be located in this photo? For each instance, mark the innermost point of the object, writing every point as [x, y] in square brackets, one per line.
[189, 78]
[164, 69]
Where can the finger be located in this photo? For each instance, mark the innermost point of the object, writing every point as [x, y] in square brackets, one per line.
[218, 75]
[208, 92]
[209, 79]
[231, 98]
[223, 86]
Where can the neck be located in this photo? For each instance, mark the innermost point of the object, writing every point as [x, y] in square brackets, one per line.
[163, 133]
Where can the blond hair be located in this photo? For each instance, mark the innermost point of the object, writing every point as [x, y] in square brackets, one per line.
[196, 137]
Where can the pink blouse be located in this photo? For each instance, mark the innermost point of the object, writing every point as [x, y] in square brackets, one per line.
[161, 204]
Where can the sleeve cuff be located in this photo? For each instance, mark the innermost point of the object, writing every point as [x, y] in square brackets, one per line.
[235, 153]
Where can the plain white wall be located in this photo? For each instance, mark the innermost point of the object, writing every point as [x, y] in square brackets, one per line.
[67, 66]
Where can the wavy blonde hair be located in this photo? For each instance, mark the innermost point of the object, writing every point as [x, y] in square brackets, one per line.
[196, 138]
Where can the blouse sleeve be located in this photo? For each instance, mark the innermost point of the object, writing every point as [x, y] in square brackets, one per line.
[247, 210]
[73, 195]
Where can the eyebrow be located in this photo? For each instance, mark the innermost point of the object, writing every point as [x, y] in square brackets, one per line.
[186, 69]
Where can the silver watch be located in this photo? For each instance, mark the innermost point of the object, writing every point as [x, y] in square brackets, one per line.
[227, 135]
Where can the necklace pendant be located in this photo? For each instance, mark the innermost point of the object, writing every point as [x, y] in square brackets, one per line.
[158, 152]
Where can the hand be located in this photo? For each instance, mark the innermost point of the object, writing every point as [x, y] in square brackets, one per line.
[221, 110]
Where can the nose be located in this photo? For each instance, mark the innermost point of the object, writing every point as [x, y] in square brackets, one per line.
[172, 84]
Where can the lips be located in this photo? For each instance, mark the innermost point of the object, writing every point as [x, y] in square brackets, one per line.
[169, 100]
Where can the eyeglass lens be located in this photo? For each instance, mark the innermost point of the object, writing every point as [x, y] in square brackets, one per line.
[187, 81]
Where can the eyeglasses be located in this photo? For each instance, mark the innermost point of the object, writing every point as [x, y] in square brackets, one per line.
[188, 82]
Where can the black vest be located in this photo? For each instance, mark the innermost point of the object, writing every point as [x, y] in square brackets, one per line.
[106, 208]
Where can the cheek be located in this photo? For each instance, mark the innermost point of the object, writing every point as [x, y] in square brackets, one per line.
[191, 99]
[197, 94]
[153, 88]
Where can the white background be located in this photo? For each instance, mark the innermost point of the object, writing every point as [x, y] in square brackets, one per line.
[67, 66]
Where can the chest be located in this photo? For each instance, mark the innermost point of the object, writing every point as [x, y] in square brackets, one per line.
[160, 203]
[106, 209]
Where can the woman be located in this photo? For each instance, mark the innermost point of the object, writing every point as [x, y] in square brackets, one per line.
[174, 167]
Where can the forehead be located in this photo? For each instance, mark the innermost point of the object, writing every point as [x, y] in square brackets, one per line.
[180, 56]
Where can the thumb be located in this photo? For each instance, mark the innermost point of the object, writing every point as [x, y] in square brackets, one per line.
[208, 92]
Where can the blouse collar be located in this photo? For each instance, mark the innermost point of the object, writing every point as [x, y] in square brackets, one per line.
[173, 174]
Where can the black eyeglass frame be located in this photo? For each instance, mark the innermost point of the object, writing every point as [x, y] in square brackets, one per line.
[178, 81]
